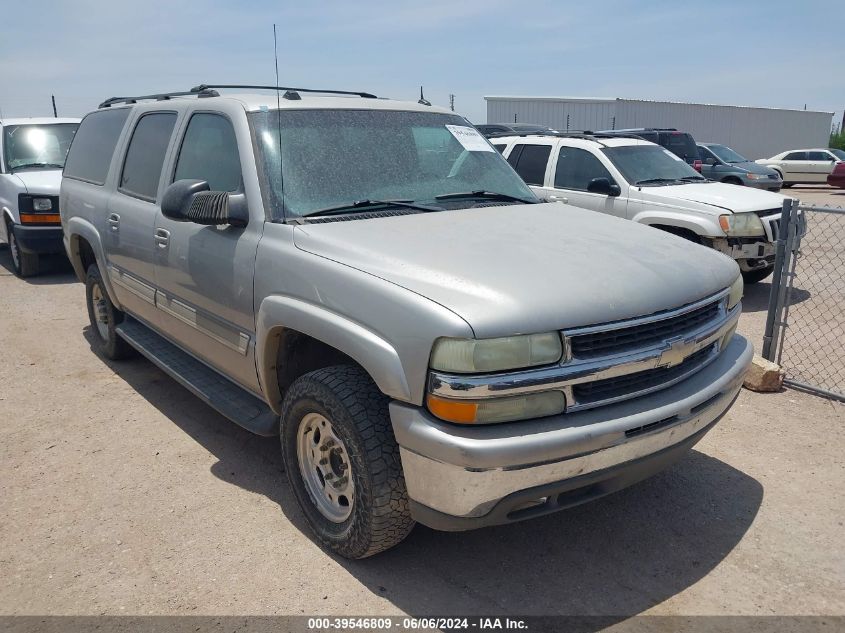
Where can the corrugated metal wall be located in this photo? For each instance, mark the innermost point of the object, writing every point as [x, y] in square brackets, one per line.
[754, 132]
[584, 114]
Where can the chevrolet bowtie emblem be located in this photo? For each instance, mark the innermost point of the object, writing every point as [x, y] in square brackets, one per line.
[678, 351]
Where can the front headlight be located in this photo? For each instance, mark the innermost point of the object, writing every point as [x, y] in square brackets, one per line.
[735, 295]
[42, 204]
[741, 225]
[468, 356]
[493, 410]
[751, 176]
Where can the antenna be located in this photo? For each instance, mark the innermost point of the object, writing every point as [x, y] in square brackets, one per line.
[423, 100]
[452, 102]
[279, 123]
[55, 116]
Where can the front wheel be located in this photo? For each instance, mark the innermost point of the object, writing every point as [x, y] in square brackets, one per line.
[759, 274]
[342, 461]
[25, 264]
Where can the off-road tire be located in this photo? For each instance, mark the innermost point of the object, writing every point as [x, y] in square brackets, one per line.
[759, 274]
[347, 397]
[112, 346]
[24, 264]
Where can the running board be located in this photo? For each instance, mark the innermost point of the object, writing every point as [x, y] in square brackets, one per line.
[219, 393]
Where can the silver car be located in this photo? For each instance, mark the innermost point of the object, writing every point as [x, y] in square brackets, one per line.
[720, 162]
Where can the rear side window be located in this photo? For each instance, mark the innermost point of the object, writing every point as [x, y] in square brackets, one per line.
[577, 167]
[210, 152]
[531, 164]
[680, 144]
[796, 156]
[145, 156]
[93, 146]
[820, 156]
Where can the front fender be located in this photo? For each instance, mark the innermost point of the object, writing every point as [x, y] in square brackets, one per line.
[77, 228]
[705, 226]
[376, 355]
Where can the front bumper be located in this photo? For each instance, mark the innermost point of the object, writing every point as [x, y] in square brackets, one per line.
[43, 240]
[461, 478]
[767, 184]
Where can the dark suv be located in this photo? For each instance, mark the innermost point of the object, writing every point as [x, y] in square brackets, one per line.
[679, 143]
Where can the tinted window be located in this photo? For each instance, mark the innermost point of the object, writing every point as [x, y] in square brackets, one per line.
[145, 156]
[840, 154]
[704, 153]
[210, 152]
[796, 156]
[501, 148]
[577, 167]
[820, 156]
[92, 148]
[531, 164]
[680, 144]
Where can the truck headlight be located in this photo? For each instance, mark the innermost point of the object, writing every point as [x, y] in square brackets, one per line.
[42, 204]
[741, 225]
[735, 295]
[468, 356]
[493, 410]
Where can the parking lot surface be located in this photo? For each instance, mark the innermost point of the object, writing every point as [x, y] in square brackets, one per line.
[124, 494]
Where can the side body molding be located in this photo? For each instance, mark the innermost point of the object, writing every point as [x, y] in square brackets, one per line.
[376, 355]
[75, 228]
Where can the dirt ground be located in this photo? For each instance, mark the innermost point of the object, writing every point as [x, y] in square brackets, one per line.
[124, 494]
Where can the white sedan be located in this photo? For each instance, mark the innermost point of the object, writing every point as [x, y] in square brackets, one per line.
[804, 166]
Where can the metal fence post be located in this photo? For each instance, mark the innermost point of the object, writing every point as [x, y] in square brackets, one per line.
[777, 278]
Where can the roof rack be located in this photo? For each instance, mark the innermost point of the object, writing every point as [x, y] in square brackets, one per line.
[290, 93]
[586, 135]
[161, 96]
[207, 90]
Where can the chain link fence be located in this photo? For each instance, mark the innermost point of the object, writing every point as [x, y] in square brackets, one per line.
[805, 326]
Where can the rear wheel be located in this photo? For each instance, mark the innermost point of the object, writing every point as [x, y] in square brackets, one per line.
[104, 318]
[342, 461]
[25, 264]
[753, 276]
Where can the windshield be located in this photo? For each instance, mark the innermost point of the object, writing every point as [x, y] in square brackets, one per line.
[840, 154]
[726, 154]
[37, 146]
[337, 157]
[650, 164]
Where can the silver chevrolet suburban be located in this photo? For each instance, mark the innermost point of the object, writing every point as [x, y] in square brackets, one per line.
[371, 280]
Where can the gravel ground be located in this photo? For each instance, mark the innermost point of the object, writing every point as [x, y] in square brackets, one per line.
[123, 494]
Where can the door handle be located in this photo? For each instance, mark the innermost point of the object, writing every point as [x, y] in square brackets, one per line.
[161, 237]
[559, 199]
[114, 221]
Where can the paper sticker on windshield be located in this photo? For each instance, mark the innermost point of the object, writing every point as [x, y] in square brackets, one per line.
[471, 139]
[675, 156]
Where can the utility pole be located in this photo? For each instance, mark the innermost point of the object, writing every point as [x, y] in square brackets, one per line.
[452, 102]
[55, 115]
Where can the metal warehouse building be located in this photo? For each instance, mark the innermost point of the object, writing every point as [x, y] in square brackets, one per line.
[754, 132]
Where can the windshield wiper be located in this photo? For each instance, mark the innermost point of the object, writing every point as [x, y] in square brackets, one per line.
[692, 178]
[37, 165]
[363, 205]
[649, 181]
[487, 195]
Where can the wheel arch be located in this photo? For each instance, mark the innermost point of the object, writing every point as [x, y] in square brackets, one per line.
[700, 225]
[310, 337]
[84, 248]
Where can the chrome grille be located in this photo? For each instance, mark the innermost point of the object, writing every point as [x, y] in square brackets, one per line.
[609, 342]
[632, 384]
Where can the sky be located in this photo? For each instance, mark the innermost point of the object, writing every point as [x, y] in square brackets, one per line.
[755, 53]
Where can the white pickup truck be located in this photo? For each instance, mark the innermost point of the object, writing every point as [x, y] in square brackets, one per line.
[634, 179]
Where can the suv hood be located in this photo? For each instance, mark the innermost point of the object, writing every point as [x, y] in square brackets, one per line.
[44, 181]
[526, 268]
[717, 194]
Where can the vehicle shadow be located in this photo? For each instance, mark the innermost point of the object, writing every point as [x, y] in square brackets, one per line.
[617, 556]
[53, 269]
[756, 296]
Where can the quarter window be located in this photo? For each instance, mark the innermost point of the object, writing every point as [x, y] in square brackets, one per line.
[577, 167]
[93, 145]
[210, 152]
[531, 164]
[145, 156]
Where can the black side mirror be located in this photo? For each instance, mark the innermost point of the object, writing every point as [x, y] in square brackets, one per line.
[192, 201]
[604, 187]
